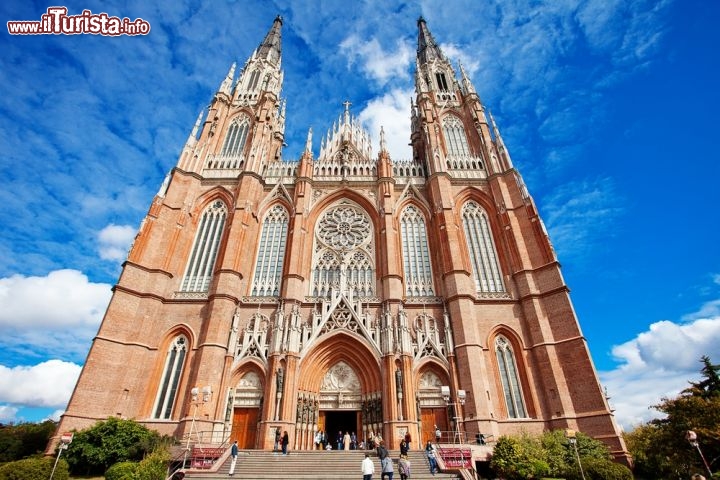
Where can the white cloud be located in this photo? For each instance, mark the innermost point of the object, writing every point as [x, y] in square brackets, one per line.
[115, 241]
[52, 316]
[375, 62]
[391, 111]
[62, 299]
[48, 384]
[659, 363]
[8, 413]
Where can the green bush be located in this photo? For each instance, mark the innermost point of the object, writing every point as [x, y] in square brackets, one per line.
[154, 466]
[34, 469]
[121, 471]
[114, 440]
[606, 470]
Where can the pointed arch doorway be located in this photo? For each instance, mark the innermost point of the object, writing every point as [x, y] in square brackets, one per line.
[341, 402]
[343, 372]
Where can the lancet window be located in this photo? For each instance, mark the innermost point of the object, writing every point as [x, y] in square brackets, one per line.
[235, 138]
[509, 378]
[198, 272]
[483, 256]
[455, 136]
[416, 254]
[271, 252]
[343, 254]
[174, 361]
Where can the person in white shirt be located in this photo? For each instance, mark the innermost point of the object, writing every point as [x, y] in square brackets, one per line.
[367, 467]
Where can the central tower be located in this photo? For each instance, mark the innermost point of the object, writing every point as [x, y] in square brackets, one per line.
[348, 292]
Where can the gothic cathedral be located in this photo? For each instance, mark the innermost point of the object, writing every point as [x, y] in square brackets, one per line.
[348, 292]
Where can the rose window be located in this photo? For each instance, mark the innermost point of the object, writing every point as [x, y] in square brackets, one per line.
[344, 228]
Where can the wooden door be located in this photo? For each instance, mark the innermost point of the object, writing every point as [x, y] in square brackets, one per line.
[244, 427]
[429, 417]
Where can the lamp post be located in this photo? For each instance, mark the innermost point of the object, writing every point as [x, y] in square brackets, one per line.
[570, 435]
[691, 437]
[198, 396]
[459, 401]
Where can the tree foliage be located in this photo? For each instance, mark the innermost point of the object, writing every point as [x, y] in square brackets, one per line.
[34, 469]
[659, 447]
[526, 456]
[114, 440]
[24, 439]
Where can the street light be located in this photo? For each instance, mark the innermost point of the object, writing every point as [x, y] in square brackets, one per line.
[198, 396]
[691, 437]
[461, 395]
[570, 435]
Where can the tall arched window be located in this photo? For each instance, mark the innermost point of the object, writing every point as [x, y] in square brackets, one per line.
[509, 378]
[416, 254]
[343, 252]
[455, 136]
[235, 138]
[174, 361]
[271, 252]
[198, 272]
[485, 265]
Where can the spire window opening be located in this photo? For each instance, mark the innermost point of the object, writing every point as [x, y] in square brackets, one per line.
[455, 138]
[235, 138]
[441, 81]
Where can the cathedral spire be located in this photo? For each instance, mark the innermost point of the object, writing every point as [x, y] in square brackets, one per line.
[226, 85]
[427, 48]
[466, 83]
[270, 48]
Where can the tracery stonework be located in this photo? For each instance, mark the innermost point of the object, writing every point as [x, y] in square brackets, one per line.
[342, 289]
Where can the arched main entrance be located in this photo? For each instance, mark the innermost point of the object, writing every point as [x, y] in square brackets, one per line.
[343, 373]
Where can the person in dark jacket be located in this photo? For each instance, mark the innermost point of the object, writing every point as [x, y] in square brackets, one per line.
[285, 440]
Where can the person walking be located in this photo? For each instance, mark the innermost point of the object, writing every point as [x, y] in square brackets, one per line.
[285, 440]
[368, 467]
[430, 452]
[233, 455]
[346, 441]
[438, 434]
[404, 467]
[387, 468]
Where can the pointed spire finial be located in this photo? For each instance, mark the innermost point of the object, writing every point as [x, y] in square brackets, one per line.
[227, 83]
[467, 84]
[270, 48]
[308, 142]
[427, 49]
[383, 145]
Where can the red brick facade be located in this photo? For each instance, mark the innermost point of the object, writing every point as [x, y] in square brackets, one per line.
[339, 351]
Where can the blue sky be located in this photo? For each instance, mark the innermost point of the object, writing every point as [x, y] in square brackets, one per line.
[608, 108]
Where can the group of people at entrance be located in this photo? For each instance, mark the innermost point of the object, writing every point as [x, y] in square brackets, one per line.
[347, 441]
[403, 464]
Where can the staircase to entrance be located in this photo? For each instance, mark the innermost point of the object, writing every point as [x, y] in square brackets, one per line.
[314, 465]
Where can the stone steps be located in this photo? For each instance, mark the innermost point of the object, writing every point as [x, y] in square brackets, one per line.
[313, 465]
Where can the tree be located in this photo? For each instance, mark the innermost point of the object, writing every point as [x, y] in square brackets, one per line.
[710, 385]
[526, 456]
[114, 440]
[659, 447]
[24, 439]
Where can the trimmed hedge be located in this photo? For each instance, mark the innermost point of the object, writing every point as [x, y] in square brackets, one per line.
[34, 469]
